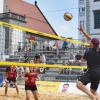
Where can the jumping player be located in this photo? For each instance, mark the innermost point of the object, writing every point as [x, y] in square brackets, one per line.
[11, 75]
[92, 75]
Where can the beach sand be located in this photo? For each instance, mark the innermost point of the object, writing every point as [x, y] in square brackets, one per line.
[42, 96]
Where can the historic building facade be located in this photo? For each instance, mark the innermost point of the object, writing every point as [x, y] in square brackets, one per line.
[89, 17]
[23, 14]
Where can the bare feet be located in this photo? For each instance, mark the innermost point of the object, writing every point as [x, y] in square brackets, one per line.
[17, 93]
[5, 94]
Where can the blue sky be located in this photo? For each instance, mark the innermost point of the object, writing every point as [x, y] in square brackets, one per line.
[54, 11]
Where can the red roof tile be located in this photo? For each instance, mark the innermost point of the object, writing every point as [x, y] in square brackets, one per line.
[35, 20]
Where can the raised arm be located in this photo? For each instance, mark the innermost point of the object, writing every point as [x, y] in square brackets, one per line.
[85, 33]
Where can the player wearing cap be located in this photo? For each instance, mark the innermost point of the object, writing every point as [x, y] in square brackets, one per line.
[92, 75]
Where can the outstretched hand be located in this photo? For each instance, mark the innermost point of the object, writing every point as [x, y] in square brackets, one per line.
[84, 33]
[81, 28]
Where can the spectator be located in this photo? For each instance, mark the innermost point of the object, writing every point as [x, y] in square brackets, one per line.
[20, 72]
[42, 58]
[65, 45]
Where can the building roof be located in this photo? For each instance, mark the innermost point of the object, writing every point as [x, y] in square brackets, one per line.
[34, 17]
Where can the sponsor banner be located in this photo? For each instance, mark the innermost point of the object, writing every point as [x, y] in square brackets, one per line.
[60, 87]
[46, 86]
[56, 87]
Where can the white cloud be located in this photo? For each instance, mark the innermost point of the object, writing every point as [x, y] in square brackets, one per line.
[68, 31]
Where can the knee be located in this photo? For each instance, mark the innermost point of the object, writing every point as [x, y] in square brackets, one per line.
[36, 97]
[93, 91]
[79, 84]
[6, 85]
[15, 84]
[27, 98]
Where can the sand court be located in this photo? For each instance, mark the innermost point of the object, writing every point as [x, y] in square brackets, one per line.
[42, 96]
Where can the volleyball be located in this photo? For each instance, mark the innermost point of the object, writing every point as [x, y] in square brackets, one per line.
[68, 16]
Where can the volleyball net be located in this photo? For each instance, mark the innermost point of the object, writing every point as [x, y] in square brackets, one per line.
[42, 33]
[15, 34]
[13, 37]
[39, 65]
[47, 72]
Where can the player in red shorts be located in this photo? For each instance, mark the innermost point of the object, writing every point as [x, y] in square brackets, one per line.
[11, 75]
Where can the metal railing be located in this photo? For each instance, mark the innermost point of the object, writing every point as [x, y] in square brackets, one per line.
[60, 78]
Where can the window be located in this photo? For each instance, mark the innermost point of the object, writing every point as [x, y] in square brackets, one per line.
[22, 18]
[83, 23]
[81, 1]
[80, 22]
[4, 15]
[17, 36]
[79, 10]
[97, 19]
[96, 0]
[82, 11]
[17, 17]
[14, 16]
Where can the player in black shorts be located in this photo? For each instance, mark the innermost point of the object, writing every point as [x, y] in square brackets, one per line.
[92, 75]
[31, 78]
[11, 75]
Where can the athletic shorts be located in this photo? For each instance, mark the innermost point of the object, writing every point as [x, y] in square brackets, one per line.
[11, 80]
[92, 76]
[31, 88]
[95, 78]
[85, 78]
